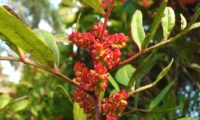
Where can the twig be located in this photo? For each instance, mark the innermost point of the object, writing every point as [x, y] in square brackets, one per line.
[106, 18]
[10, 59]
[98, 114]
[21, 54]
[55, 72]
[162, 43]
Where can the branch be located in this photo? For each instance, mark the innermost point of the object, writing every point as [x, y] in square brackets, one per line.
[98, 114]
[21, 54]
[10, 59]
[106, 18]
[55, 72]
[162, 43]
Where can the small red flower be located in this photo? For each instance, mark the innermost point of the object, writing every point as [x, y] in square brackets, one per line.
[110, 117]
[85, 101]
[115, 104]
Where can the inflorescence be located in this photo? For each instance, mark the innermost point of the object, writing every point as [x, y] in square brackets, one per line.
[105, 52]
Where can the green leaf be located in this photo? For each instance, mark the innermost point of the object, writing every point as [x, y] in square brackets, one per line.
[78, 112]
[4, 100]
[69, 3]
[143, 69]
[22, 36]
[47, 37]
[195, 25]
[123, 75]
[61, 37]
[19, 105]
[160, 96]
[195, 66]
[60, 91]
[112, 92]
[78, 22]
[194, 17]
[62, 98]
[183, 22]
[164, 72]
[168, 22]
[34, 111]
[102, 93]
[137, 30]
[187, 118]
[113, 82]
[95, 4]
[155, 25]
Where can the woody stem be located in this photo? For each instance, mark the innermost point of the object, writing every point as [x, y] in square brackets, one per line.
[106, 18]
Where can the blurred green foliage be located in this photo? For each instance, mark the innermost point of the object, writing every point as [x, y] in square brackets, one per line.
[39, 97]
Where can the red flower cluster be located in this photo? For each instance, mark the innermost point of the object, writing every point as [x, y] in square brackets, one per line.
[92, 80]
[85, 101]
[114, 105]
[105, 52]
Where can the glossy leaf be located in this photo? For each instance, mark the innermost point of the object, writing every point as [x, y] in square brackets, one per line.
[20, 35]
[123, 75]
[113, 82]
[155, 25]
[95, 4]
[4, 100]
[160, 96]
[143, 69]
[137, 30]
[168, 22]
[78, 112]
[19, 105]
[195, 25]
[183, 22]
[47, 37]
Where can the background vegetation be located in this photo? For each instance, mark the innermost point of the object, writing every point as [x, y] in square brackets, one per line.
[41, 96]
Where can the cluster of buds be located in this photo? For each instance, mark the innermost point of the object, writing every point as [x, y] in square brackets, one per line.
[114, 105]
[105, 52]
[92, 80]
[85, 101]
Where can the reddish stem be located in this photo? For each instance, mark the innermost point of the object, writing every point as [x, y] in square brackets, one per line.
[98, 114]
[106, 18]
